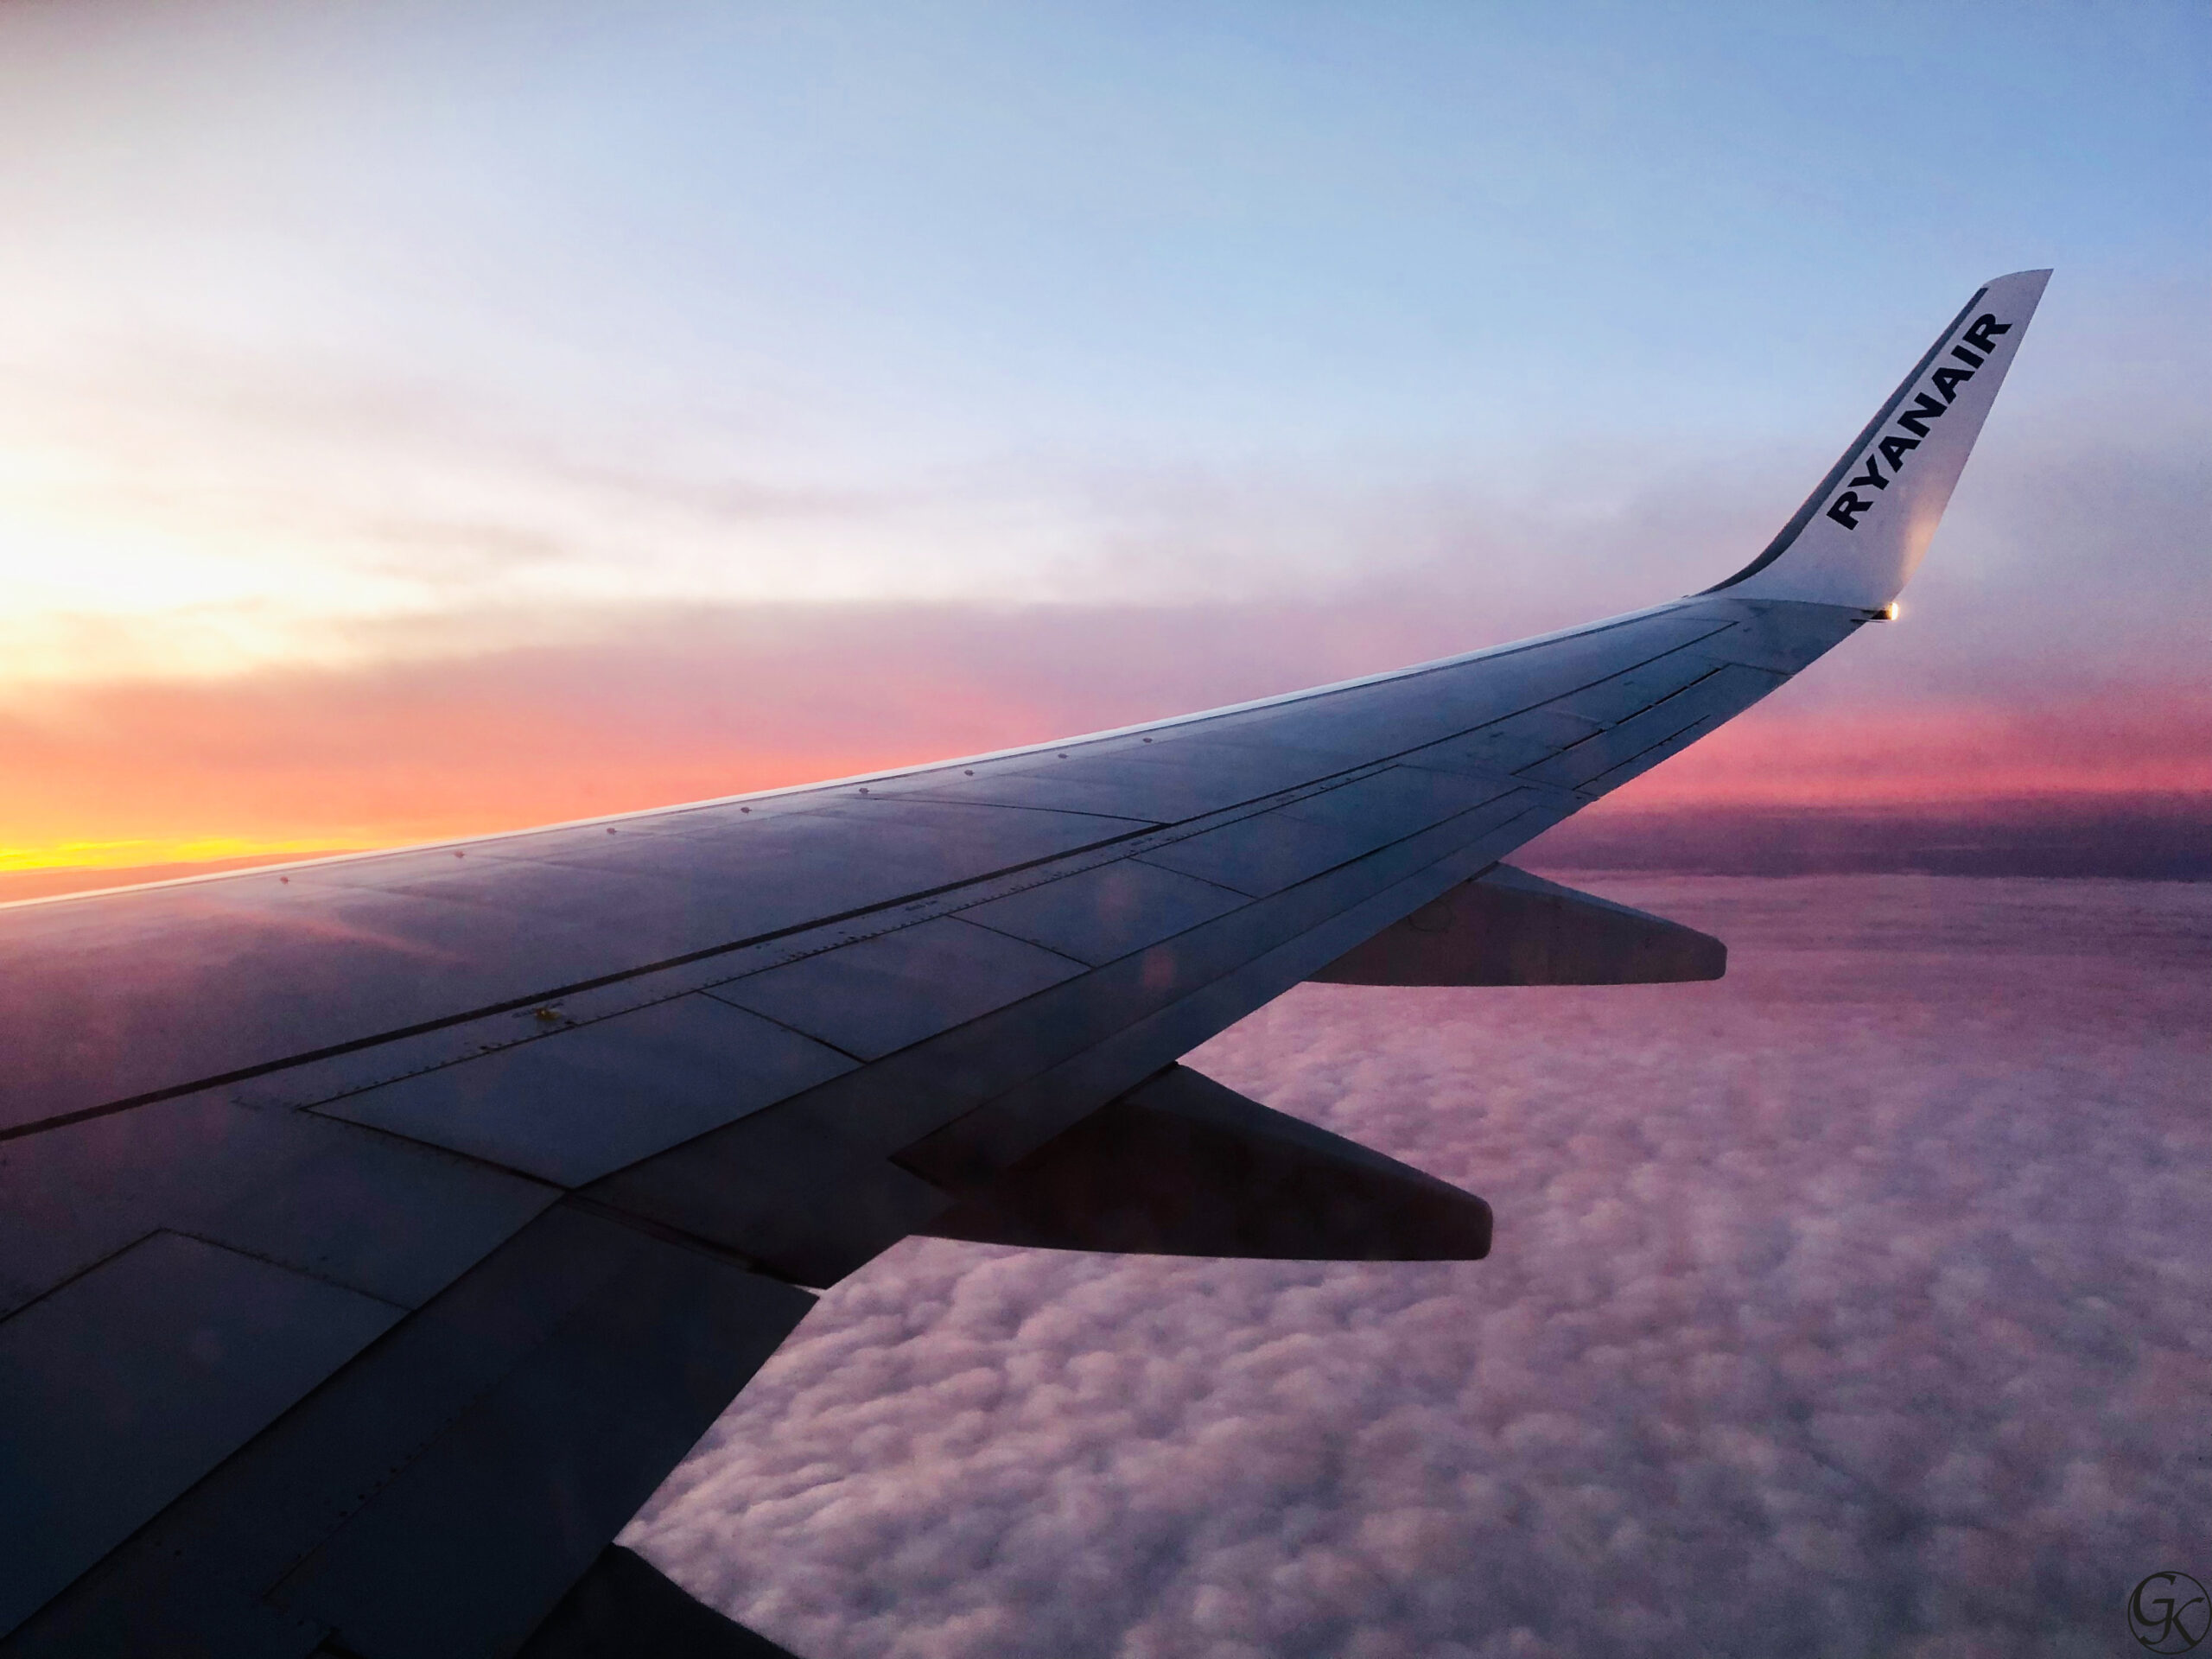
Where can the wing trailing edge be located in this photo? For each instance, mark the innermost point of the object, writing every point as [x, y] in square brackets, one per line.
[625, 1608]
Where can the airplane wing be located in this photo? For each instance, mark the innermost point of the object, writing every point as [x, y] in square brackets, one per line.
[376, 1232]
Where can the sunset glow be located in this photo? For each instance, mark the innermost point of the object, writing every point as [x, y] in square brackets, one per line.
[288, 762]
[391, 451]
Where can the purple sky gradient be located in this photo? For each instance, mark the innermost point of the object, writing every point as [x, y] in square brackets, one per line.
[1852, 1303]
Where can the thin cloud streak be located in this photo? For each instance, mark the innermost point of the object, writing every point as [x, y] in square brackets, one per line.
[214, 514]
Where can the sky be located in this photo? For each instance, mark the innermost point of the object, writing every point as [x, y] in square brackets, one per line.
[1850, 1304]
[424, 419]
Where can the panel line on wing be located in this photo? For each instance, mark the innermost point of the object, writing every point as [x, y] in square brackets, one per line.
[1019, 939]
[512, 1004]
[1023, 806]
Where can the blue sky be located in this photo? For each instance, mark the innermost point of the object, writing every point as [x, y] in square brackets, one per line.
[874, 243]
[1148, 227]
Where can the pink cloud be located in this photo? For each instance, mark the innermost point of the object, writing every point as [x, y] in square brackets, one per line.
[1853, 1296]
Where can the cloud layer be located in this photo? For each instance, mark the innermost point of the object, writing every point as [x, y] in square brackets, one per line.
[1851, 1304]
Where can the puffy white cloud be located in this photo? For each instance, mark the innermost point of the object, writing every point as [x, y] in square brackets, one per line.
[1852, 1303]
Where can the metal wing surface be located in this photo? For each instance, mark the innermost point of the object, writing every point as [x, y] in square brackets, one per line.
[376, 1233]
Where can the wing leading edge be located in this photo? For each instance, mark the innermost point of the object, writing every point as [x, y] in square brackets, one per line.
[376, 1233]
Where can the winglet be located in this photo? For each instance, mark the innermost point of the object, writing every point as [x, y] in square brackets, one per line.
[1859, 536]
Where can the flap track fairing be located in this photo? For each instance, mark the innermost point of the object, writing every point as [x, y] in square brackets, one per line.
[1182, 1166]
[1507, 927]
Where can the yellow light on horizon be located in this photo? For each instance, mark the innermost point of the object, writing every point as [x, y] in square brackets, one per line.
[131, 854]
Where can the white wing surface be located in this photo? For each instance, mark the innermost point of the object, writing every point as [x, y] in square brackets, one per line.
[376, 1233]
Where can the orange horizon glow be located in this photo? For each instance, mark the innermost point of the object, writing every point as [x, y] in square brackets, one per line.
[260, 768]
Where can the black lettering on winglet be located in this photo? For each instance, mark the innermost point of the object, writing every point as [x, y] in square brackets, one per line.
[1946, 380]
[1983, 335]
[1965, 357]
[1924, 409]
[1871, 477]
[1894, 447]
[1846, 507]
